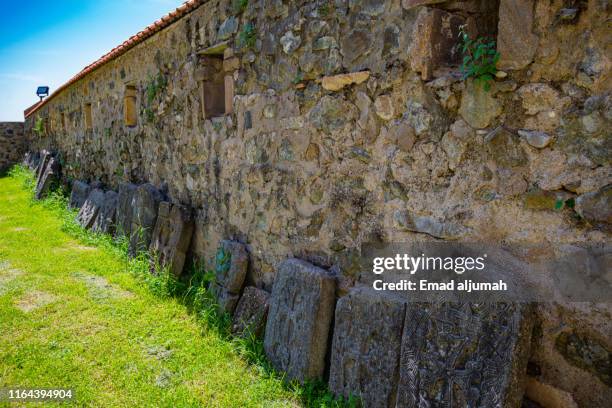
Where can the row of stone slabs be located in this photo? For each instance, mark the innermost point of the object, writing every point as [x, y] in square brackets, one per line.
[390, 352]
[385, 350]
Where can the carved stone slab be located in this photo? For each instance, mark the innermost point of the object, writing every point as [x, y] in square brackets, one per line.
[251, 312]
[90, 209]
[365, 353]
[48, 177]
[106, 219]
[171, 238]
[301, 311]
[80, 191]
[145, 204]
[231, 265]
[124, 209]
[42, 163]
[464, 355]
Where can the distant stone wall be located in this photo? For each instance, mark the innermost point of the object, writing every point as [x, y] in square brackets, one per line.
[12, 144]
[305, 129]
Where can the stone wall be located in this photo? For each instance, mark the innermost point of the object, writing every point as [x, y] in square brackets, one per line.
[305, 129]
[12, 144]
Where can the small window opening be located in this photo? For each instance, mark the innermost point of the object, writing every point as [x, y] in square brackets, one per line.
[63, 121]
[130, 115]
[88, 117]
[212, 87]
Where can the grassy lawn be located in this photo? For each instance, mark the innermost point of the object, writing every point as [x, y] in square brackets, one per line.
[72, 314]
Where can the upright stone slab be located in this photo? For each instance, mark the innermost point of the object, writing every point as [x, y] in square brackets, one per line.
[48, 177]
[79, 193]
[231, 265]
[171, 238]
[366, 347]
[124, 209]
[145, 204]
[42, 163]
[106, 218]
[251, 313]
[90, 209]
[464, 355]
[301, 311]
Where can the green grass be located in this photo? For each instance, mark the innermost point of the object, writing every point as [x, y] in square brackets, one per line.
[76, 312]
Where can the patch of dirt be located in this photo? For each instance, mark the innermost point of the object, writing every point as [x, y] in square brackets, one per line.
[7, 275]
[100, 288]
[159, 352]
[34, 300]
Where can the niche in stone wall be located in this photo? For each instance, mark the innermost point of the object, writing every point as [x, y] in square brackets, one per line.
[63, 121]
[436, 46]
[130, 113]
[212, 86]
[88, 117]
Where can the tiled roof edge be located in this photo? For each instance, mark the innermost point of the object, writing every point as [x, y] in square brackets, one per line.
[130, 43]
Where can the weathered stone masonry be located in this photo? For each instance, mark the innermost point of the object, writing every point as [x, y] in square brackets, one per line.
[12, 144]
[304, 129]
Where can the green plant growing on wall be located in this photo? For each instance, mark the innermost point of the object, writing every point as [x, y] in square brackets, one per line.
[155, 86]
[480, 57]
[238, 6]
[248, 36]
[299, 77]
[39, 126]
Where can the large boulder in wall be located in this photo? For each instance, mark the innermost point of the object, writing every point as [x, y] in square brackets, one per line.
[145, 204]
[171, 238]
[78, 195]
[231, 264]
[106, 218]
[299, 319]
[124, 209]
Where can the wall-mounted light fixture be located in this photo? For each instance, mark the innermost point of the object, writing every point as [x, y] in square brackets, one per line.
[42, 92]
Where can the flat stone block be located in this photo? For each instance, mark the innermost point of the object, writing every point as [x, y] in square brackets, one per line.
[79, 193]
[231, 265]
[90, 209]
[171, 238]
[251, 312]
[366, 347]
[145, 204]
[464, 355]
[106, 218]
[124, 209]
[301, 311]
[48, 177]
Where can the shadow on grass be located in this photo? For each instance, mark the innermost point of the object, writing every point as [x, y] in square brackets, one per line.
[191, 291]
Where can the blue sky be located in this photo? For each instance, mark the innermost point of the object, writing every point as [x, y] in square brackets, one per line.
[46, 42]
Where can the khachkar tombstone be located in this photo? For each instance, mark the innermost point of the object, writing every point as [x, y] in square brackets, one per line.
[171, 238]
[124, 209]
[394, 353]
[231, 263]
[145, 204]
[91, 207]
[299, 319]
